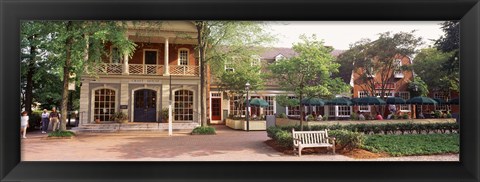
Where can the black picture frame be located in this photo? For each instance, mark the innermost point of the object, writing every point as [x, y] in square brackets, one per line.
[11, 12]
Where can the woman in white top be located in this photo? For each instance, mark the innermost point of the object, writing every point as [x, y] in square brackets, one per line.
[23, 124]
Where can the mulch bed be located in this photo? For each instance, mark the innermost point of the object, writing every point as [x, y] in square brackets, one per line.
[355, 153]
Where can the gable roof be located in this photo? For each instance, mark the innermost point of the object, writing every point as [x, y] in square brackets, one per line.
[271, 53]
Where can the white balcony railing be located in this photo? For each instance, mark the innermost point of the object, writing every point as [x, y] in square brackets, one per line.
[145, 69]
[183, 70]
[108, 68]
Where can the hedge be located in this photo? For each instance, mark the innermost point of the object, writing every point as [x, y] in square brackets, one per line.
[204, 130]
[389, 128]
[345, 139]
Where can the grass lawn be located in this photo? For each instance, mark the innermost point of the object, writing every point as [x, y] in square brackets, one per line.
[415, 144]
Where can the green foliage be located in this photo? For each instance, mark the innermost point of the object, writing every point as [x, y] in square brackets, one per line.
[310, 118]
[282, 115]
[378, 57]
[282, 136]
[428, 66]
[347, 139]
[120, 117]
[286, 101]
[60, 133]
[204, 130]
[417, 144]
[405, 116]
[165, 113]
[418, 87]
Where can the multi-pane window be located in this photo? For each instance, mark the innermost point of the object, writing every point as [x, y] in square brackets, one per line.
[398, 65]
[104, 104]
[445, 97]
[183, 105]
[237, 108]
[293, 111]
[406, 96]
[344, 111]
[269, 110]
[363, 108]
[332, 111]
[386, 94]
[183, 57]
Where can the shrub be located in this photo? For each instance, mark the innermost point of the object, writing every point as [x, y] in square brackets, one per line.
[59, 133]
[310, 118]
[347, 139]
[283, 138]
[354, 116]
[325, 117]
[203, 130]
[120, 117]
[165, 114]
[282, 115]
[405, 116]
[437, 114]
[404, 145]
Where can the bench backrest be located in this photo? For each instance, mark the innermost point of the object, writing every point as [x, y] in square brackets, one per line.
[310, 137]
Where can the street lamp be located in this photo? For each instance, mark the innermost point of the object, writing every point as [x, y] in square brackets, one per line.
[247, 87]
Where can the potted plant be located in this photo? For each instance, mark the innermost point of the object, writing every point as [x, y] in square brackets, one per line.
[165, 115]
[120, 117]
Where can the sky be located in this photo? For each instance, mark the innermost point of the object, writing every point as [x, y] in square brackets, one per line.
[340, 34]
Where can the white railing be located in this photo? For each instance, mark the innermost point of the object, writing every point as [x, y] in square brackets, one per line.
[183, 70]
[108, 68]
[145, 69]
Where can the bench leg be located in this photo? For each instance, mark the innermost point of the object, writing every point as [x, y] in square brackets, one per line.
[333, 150]
[299, 151]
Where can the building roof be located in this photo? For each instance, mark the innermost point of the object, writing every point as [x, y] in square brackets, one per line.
[271, 53]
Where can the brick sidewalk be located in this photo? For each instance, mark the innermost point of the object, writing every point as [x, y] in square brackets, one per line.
[227, 145]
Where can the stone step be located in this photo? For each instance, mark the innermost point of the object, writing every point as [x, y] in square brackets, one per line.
[115, 127]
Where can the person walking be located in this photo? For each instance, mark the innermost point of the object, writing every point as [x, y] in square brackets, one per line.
[45, 121]
[54, 118]
[24, 124]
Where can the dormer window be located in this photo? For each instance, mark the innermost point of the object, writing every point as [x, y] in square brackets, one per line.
[397, 66]
[279, 57]
[229, 66]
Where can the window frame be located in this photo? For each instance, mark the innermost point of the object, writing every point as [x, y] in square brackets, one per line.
[179, 57]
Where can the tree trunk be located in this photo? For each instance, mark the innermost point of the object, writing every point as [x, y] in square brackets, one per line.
[301, 112]
[30, 73]
[201, 48]
[66, 77]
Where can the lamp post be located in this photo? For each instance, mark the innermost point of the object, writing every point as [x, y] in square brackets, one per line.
[247, 87]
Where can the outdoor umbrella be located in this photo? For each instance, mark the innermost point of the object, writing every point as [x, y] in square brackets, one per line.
[440, 101]
[454, 101]
[313, 102]
[369, 101]
[258, 102]
[395, 100]
[339, 101]
[421, 101]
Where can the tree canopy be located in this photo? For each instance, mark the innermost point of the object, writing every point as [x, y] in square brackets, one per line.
[309, 73]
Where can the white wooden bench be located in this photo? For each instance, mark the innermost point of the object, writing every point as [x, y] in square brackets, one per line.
[303, 139]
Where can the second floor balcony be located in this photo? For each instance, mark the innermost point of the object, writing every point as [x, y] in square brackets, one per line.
[145, 69]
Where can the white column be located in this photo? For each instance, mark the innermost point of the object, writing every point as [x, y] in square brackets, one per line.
[84, 102]
[166, 70]
[125, 64]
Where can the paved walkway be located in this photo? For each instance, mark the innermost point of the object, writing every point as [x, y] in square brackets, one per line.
[227, 145]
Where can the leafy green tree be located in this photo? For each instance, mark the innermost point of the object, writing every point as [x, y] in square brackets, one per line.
[430, 59]
[72, 46]
[222, 40]
[377, 58]
[450, 43]
[418, 87]
[309, 73]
